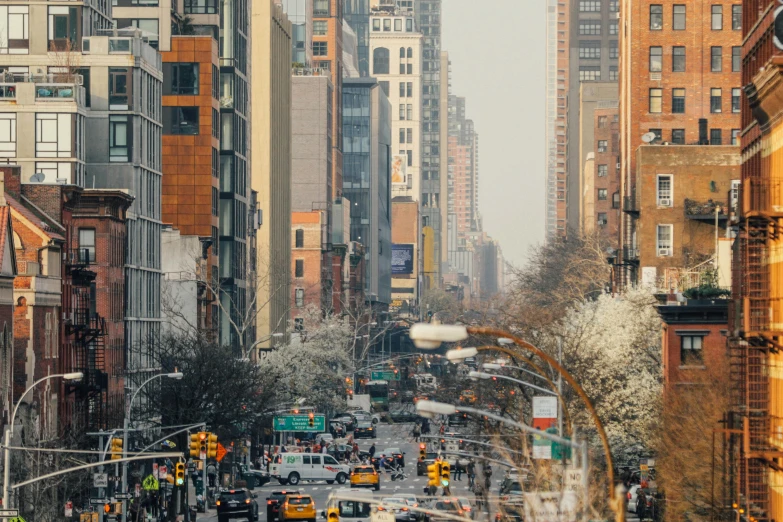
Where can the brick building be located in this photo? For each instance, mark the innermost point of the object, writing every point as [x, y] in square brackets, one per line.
[679, 84]
[7, 275]
[191, 151]
[310, 264]
[406, 256]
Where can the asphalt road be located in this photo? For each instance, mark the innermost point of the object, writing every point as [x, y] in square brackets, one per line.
[389, 436]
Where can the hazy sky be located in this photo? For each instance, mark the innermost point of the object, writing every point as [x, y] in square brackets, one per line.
[497, 52]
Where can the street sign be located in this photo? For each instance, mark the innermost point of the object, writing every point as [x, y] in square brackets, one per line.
[551, 507]
[150, 483]
[572, 480]
[221, 452]
[68, 509]
[384, 376]
[382, 516]
[16, 519]
[300, 423]
[100, 480]
[98, 501]
[123, 496]
[5, 513]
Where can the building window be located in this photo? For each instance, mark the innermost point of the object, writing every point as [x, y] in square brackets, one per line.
[590, 49]
[735, 99]
[678, 136]
[195, 6]
[716, 60]
[717, 17]
[402, 135]
[180, 78]
[603, 171]
[321, 8]
[602, 121]
[409, 89]
[735, 135]
[299, 297]
[614, 52]
[376, 24]
[603, 145]
[387, 25]
[716, 137]
[398, 24]
[380, 61]
[8, 135]
[299, 241]
[656, 96]
[613, 29]
[616, 200]
[410, 157]
[656, 59]
[664, 190]
[716, 100]
[180, 120]
[87, 245]
[664, 240]
[736, 18]
[14, 29]
[410, 135]
[678, 17]
[656, 17]
[320, 48]
[613, 73]
[402, 52]
[691, 350]
[320, 27]
[589, 73]
[64, 28]
[119, 140]
[409, 111]
[299, 268]
[409, 25]
[602, 194]
[602, 221]
[658, 135]
[736, 59]
[53, 135]
[678, 59]
[614, 6]
[402, 89]
[402, 112]
[678, 101]
[119, 88]
[589, 28]
[589, 6]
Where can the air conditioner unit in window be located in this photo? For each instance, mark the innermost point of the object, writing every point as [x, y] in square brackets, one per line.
[618, 166]
[601, 222]
[664, 252]
[664, 202]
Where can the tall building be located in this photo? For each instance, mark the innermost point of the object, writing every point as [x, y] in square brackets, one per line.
[557, 82]
[755, 320]
[357, 14]
[593, 57]
[300, 14]
[433, 116]
[270, 177]
[367, 179]
[679, 84]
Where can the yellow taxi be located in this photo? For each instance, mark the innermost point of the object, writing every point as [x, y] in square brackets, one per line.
[365, 476]
[468, 396]
[298, 507]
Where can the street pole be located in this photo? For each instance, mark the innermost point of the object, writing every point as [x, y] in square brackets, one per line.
[560, 387]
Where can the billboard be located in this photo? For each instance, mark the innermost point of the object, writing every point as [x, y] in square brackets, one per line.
[399, 172]
[402, 259]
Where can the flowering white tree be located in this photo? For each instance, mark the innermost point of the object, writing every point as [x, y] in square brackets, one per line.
[612, 346]
[313, 364]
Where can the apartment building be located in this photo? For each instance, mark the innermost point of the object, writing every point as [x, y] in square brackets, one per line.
[680, 84]
[600, 187]
[300, 14]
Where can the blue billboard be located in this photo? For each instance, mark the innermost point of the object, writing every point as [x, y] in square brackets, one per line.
[402, 259]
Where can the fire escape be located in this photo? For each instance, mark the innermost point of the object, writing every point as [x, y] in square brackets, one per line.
[756, 334]
[85, 332]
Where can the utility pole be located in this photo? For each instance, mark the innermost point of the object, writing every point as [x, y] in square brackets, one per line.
[560, 387]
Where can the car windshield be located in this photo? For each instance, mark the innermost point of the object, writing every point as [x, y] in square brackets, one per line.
[514, 486]
[233, 495]
[300, 501]
[445, 505]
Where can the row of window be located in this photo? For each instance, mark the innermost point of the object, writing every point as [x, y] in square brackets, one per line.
[406, 89]
[588, 73]
[679, 14]
[406, 135]
[381, 60]
[678, 100]
[715, 136]
[678, 59]
[594, 27]
[594, 6]
[387, 25]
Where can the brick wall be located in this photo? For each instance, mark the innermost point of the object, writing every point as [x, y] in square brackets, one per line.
[311, 255]
[607, 129]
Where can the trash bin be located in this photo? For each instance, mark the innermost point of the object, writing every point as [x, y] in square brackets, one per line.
[193, 511]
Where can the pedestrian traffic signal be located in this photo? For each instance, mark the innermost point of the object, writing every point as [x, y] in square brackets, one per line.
[195, 446]
[422, 451]
[180, 473]
[212, 446]
[311, 419]
[116, 449]
[433, 474]
[445, 471]
[107, 508]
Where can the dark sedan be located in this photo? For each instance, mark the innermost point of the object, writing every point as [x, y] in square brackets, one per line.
[403, 415]
[364, 429]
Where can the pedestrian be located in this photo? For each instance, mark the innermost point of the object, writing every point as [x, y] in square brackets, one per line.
[325, 448]
[372, 450]
[356, 449]
[211, 473]
[641, 504]
[471, 474]
[416, 432]
[459, 470]
[317, 448]
[443, 428]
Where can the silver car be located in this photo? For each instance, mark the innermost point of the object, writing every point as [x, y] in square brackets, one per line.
[467, 507]
[400, 508]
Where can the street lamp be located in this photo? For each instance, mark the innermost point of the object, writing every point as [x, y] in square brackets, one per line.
[9, 431]
[126, 425]
[430, 336]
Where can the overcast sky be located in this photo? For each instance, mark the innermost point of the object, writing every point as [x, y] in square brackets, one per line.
[497, 52]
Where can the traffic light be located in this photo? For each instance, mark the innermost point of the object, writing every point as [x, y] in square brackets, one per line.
[195, 446]
[422, 451]
[212, 446]
[445, 471]
[311, 419]
[433, 474]
[203, 444]
[116, 449]
[180, 473]
[107, 508]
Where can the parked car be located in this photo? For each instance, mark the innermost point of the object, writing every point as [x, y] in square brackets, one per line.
[236, 503]
[364, 429]
[274, 501]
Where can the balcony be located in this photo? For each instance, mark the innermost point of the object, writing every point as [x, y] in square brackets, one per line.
[631, 205]
[631, 254]
[706, 211]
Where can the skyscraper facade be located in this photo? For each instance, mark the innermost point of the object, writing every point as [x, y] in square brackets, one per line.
[556, 115]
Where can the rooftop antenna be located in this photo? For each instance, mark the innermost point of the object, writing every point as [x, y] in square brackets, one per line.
[649, 137]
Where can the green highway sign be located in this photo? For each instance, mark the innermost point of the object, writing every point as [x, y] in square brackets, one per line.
[300, 423]
[385, 376]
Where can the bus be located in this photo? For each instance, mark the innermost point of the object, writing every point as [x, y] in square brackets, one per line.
[379, 394]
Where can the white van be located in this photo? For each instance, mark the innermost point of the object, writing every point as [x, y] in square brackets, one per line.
[291, 468]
